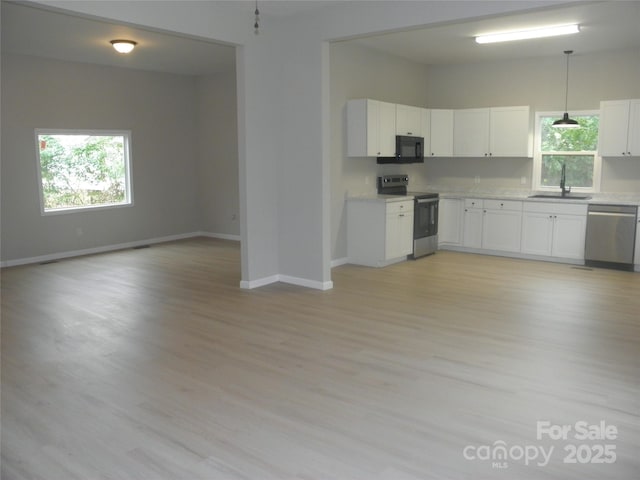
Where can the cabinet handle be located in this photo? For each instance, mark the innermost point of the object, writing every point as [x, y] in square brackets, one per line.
[628, 153]
[490, 154]
[401, 215]
[502, 204]
[409, 133]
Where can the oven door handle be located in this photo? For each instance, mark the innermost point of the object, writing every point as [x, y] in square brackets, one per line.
[426, 200]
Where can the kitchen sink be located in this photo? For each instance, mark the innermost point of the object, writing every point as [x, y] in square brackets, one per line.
[559, 196]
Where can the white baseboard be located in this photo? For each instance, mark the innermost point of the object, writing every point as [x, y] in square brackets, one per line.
[339, 261]
[261, 282]
[113, 247]
[303, 282]
[223, 236]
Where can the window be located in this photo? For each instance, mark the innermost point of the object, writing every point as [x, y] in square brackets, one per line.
[80, 169]
[574, 147]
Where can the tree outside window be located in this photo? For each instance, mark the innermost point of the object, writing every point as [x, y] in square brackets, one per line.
[574, 147]
[83, 169]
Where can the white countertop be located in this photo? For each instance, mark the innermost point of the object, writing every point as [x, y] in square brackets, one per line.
[506, 194]
[381, 198]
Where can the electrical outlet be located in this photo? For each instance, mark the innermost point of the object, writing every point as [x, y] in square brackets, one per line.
[233, 217]
[523, 180]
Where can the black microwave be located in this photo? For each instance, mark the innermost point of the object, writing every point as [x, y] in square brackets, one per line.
[408, 150]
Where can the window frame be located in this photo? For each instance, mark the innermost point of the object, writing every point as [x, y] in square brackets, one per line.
[537, 155]
[126, 134]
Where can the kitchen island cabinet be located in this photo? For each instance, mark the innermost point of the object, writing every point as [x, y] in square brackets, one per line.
[379, 231]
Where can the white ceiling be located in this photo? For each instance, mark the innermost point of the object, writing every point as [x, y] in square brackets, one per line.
[30, 30]
[605, 26]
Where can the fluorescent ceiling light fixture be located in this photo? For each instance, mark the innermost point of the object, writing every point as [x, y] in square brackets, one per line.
[530, 33]
[123, 46]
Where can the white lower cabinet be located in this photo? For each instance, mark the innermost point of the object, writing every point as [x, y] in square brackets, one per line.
[472, 223]
[450, 216]
[554, 229]
[637, 252]
[379, 232]
[492, 224]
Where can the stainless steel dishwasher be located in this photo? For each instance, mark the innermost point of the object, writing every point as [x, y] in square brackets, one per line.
[611, 234]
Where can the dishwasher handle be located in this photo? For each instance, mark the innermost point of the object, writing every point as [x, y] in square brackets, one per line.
[612, 214]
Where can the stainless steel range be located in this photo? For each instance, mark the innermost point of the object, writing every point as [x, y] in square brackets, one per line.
[425, 216]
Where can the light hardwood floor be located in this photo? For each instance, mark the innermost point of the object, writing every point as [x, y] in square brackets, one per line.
[153, 364]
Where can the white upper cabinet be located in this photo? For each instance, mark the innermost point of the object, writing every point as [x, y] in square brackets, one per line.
[471, 132]
[371, 128]
[619, 128]
[510, 133]
[439, 136]
[408, 120]
[493, 132]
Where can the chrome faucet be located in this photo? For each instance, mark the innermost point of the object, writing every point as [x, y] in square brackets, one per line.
[563, 181]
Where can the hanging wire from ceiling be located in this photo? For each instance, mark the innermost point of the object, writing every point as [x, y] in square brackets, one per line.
[256, 25]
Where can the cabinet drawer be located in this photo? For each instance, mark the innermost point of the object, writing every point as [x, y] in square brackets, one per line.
[400, 207]
[556, 208]
[514, 205]
[472, 203]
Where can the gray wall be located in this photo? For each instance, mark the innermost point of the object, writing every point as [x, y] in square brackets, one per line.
[162, 112]
[540, 83]
[217, 182]
[358, 72]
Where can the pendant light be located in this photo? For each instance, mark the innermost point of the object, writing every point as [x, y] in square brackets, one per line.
[565, 121]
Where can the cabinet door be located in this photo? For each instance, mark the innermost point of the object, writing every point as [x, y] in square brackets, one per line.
[471, 132]
[441, 133]
[537, 233]
[399, 235]
[387, 130]
[568, 236]
[450, 221]
[614, 127]
[408, 120]
[425, 129]
[633, 141]
[472, 230]
[510, 132]
[501, 230]
[636, 257]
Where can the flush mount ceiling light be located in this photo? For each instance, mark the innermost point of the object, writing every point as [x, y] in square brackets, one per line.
[529, 33]
[565, 121]
[123, 46]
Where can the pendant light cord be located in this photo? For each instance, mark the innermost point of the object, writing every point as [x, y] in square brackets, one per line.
[566, 89]
[256, 25]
